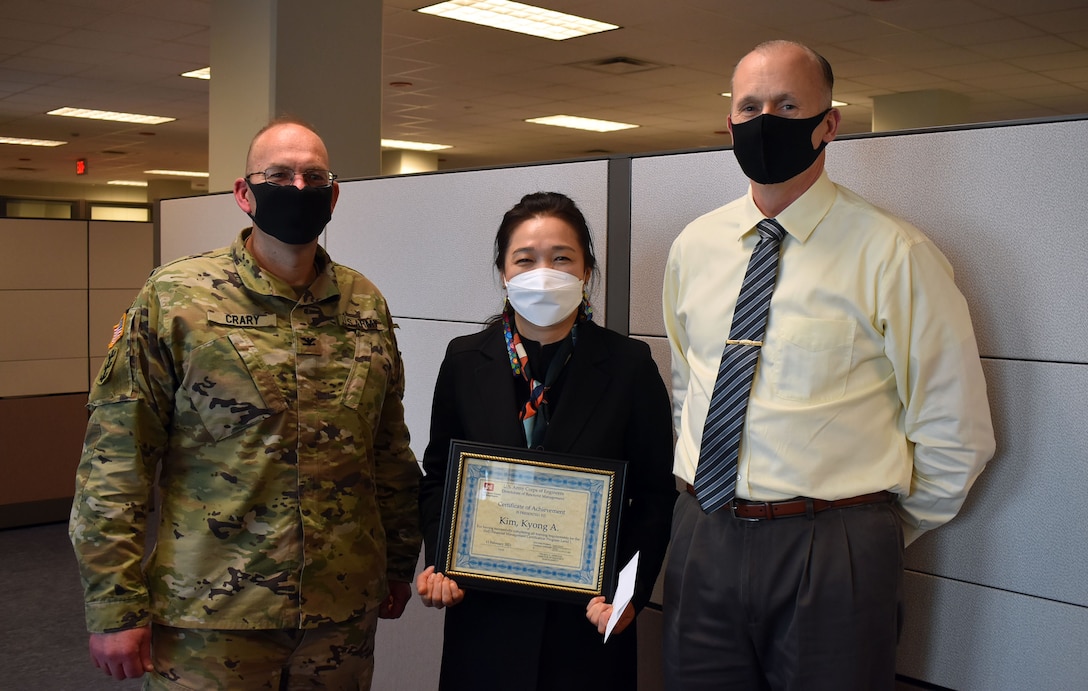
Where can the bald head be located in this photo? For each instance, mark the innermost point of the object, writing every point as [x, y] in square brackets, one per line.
[285, 137]
[805, 62]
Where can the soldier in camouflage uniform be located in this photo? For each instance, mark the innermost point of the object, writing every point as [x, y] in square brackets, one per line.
[264, 382]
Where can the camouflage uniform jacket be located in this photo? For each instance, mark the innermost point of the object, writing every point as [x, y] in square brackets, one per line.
[288, 489]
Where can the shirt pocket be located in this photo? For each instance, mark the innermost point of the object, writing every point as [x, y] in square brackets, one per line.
[229, 385]
[368, 378]
[814, 357]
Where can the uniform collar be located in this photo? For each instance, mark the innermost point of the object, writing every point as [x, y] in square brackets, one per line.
[259, 281]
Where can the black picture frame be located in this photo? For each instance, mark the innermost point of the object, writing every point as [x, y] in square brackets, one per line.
[530, 522]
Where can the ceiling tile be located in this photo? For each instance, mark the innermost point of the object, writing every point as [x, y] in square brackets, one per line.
[1005, 29]
[1024, 47]
[473, 86]
[1059, 22]
[1058, 61]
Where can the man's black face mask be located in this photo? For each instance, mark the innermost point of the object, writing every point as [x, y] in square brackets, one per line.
[773, 149]
[289, 214]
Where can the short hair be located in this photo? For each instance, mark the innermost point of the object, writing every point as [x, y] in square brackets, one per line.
[824, 66]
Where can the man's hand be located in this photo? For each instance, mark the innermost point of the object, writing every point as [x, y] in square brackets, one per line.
[399, 594]
[123, 654]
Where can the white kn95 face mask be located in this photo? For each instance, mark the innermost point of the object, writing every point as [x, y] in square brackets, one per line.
[544, 297]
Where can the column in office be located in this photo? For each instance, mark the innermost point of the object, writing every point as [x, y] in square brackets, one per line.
[914, 109]
[398, 162]
[320, 62]
[170, 189]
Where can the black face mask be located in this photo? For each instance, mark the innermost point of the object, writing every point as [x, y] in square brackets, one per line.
[773, 149]
[289, 214]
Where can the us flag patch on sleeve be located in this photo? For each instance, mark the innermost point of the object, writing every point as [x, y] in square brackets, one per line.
[118, 331]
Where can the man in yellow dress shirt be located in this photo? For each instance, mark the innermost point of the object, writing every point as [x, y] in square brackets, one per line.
[866, 425]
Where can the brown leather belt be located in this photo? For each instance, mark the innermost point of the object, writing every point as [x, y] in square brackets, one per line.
[763, 510]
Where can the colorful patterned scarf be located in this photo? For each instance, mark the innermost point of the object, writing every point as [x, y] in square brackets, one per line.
[534, 415]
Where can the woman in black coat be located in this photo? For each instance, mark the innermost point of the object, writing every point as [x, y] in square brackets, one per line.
[604, 399]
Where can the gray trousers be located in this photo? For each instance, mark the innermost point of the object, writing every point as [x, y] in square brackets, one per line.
[806, 602]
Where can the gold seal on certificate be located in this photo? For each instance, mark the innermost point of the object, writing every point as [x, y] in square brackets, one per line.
[528, 521]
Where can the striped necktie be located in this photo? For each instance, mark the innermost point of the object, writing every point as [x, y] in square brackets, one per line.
[716, 475]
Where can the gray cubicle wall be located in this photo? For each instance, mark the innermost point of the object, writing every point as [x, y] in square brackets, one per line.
[995, 600]
[427, 242]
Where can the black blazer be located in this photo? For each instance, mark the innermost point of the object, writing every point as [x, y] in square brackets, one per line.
[613, 404]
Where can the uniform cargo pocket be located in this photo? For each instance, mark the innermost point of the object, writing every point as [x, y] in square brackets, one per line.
[368, 379]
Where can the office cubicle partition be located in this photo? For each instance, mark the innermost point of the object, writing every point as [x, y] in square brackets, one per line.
[996, 599]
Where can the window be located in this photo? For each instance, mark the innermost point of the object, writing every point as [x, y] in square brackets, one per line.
[38, 208]
[116, 212]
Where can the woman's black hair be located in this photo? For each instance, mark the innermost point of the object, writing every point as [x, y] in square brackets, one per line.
[544, 205]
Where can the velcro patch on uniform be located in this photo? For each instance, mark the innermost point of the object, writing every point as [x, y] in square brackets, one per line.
[361, 323]
[243, 320]
[118, 331]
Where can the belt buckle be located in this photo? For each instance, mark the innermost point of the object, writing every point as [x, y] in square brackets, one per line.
[749, 519]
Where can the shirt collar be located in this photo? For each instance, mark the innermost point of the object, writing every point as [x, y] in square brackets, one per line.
[802, 216]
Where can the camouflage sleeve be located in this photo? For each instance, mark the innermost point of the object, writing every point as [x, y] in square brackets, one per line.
[126, 433]
[397, 476]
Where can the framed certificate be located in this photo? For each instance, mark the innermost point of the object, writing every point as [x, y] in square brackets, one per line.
[531, 522]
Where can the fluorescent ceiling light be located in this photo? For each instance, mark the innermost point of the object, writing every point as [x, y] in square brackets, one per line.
[834, 103]
[413, 146]
[30, 142]
[515, 16]
[128, 183]
[577, 123]
[181, 173]
[110, 115]
[202, 73]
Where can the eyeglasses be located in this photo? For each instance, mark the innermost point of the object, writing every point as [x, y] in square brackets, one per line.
[280, 176]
